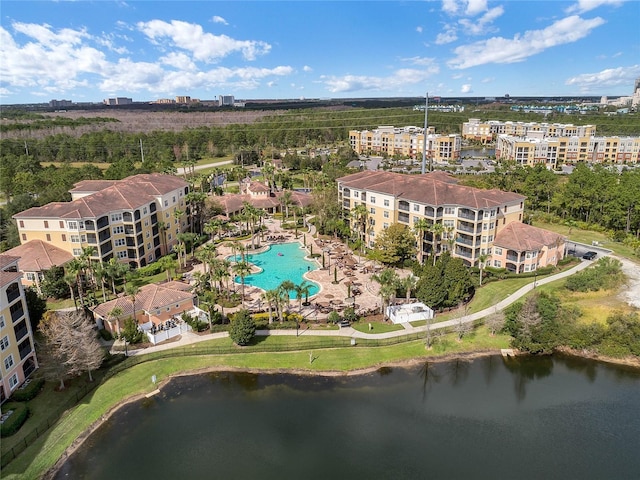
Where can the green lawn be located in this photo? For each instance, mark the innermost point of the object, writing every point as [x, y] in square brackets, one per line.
[588, 236]
[45, 451]
[376, 327]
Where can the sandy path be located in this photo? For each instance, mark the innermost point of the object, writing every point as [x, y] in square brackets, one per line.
[631, 293]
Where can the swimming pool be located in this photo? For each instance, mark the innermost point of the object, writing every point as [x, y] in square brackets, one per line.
[280, 262]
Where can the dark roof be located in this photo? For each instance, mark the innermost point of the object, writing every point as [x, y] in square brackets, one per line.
[521, 237]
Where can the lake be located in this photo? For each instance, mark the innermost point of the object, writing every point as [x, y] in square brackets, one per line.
[523, 418]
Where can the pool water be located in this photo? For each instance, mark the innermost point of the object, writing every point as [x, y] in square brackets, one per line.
[284, 261]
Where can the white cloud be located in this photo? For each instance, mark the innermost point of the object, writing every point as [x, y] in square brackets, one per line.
[475, 7]
[398, 80]
[178, 60]
[466, 88]
[218, 19]
[586, 5]
[482, 25]
[488, 80]
[307, 68]
[447, 36]
[419, 29]
[422, 61]
[609, 77]
[203, 46]
[532, 42]
[450, 6]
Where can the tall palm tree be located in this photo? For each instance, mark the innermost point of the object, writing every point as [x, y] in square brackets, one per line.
[359, 214]
[302, 290]
[437, 229]
[270, 298]
[114, 314]
[132, 290]
[75, 269]
[284, 290]
[482, 260]
[419, 227]
[206, 255]
[162, 228]
[242, 269]
[211, 228]
[408, 284]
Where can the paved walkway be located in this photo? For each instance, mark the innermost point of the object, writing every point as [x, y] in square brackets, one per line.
[191, 338]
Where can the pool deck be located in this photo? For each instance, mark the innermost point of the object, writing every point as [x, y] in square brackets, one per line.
[353, 275]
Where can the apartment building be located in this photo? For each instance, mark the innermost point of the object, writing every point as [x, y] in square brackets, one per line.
[135, 220]
[552, 151]
[16, 338]
[488, 131]
[407, 142]
[471, 218]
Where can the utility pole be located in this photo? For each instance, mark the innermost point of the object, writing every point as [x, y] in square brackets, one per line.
[141, 151]
[424, 140]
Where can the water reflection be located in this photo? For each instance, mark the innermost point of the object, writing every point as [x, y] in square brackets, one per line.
[526, 369]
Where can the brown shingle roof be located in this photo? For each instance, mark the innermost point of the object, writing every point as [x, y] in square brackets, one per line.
[521, 237]
[430, 189]
[37, 256]
[129, 193]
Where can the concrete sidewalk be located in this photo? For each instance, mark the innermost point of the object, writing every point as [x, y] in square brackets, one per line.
[192, 338]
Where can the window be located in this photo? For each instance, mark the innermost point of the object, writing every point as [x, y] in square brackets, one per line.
[174, 199]
[118, 229]
[148, 234]
[497, 263]
[146, 223]
[116, 217]
[149, 246]
[490, 238]
[372, 211]
[64, 237]
[75, 238]
[416, 207]
[385, 225]
[356, 194]
[121, 254]
[72, 225]
[448, 223]
[24, 237]
[166, 203]
[13, 381]
[449, 210]
[4, 343]
[48, 237]
[46, 224]
[485, 226]
[166, 215]
[150, 257]
[373, 199]
[31, 276]
[169, 237]
[77, 252]
[21, 223]
[386, 214]
[1, 321]
[8, 362]
[498, 251]
[144, 210]
[484, 239]
[120, 242]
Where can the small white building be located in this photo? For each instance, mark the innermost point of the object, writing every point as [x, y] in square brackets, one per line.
[409, 312]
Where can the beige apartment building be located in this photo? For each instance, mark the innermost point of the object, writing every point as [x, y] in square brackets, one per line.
[553, 151]
[135, 220]
[407, 142]
[488, 131]
[473, 220]
[16, 338]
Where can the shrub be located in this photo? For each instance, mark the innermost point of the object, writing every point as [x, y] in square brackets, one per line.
[334, 317]
[105, 334]
[131, 333]
[13, 423]
[242, 328]
[29, 392]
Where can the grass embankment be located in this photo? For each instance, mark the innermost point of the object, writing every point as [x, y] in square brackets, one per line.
[133, 382]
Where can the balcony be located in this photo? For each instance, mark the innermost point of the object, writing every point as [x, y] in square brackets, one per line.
[464, 253]
[127, 217]
[512, 258]
[465, 227]
[404, 206]
[465, 241]
[403, 217]
[467, 214]
[17, 312]
[346, 203]
[25, 349]
[21, 330]
[13, 292]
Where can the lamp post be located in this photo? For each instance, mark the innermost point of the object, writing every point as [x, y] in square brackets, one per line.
[126, 353]
[535, 278]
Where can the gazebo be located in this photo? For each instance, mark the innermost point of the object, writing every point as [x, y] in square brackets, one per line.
[409, 312]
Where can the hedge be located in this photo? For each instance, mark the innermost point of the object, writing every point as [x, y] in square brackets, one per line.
[13, 423]
[29, 392]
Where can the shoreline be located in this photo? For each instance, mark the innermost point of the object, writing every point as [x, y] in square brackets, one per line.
[466, 356]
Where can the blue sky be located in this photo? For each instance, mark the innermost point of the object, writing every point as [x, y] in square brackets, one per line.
[87, 51]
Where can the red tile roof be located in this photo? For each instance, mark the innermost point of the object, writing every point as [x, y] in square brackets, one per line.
[37, 256]
[149, 298]
[430, 189]
[521, 237]
[127, 194]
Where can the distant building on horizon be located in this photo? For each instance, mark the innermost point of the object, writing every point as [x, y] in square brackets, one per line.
[60, 103]
[118, 101]
[226, 100]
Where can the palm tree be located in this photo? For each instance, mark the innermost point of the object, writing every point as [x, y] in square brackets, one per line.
[212, 227]
[408, 283]
[419, 227]
[101, 273]
[115, 313]
[206, 255]
[387, 280]
[482, 259]
[270, 298]
[242, 269]
[162, 228]
[437, 229]
[131, 289]
[359, 213]
[75, 269]
[116, 271]
[284, 290]
[302, 290]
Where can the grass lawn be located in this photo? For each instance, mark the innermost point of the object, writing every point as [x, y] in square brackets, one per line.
[45, 451]
[588, 236]
[376, 327]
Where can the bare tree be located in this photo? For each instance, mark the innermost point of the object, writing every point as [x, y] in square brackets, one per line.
[495, 322]
[70, 346]
[462, 327]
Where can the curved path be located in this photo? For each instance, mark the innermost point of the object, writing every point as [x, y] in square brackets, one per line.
[190, 337]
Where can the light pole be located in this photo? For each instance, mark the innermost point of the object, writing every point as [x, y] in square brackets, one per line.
[126, 353]
[535, 278]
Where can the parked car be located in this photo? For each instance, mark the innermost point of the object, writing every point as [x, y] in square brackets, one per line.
[590, 255]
